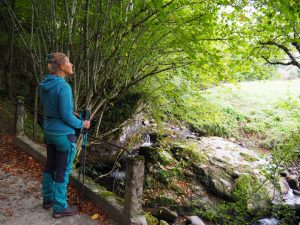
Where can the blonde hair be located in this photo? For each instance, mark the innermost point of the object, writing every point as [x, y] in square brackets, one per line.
[55, 60]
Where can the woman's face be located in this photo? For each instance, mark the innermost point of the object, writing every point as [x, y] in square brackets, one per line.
[67, 67]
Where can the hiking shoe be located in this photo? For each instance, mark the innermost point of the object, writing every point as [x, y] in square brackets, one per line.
[47, 205]
[70, 211]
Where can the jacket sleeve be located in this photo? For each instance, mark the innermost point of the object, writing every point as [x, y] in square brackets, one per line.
[65, 105]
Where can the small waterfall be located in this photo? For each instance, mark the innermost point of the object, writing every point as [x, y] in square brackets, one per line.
[146, 140]
[120, 175]
[271, 221]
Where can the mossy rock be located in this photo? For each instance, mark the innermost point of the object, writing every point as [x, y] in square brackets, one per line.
[162, 222]
[189, 152]
[247, 185]
[106, 194]
[165, 157]
[148, 152]
[151, 220]
[216, 180]
[154, 155]
[165, 200]
[248, 158]
[157, 136]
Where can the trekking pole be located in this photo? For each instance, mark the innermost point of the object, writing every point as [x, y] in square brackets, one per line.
[82, 169]
[86, 116]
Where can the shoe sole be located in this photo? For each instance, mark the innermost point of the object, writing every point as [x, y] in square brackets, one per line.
[57, 216]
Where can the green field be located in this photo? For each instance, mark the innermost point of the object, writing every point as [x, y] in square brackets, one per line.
[259, 113]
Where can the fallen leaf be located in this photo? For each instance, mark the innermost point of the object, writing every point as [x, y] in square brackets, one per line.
[95, 216]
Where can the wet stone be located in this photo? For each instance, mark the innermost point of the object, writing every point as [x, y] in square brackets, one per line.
[296, 192]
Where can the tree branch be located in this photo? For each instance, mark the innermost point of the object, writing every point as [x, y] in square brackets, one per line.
[286, 50]
[277, 63]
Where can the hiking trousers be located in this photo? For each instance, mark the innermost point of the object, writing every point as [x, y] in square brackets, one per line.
[61, 151]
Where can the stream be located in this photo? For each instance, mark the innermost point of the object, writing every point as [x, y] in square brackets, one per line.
[220, 150]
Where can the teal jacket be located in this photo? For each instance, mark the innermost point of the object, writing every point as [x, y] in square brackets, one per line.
[57, 101]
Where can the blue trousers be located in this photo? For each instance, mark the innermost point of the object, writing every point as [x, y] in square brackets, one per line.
[61, 151]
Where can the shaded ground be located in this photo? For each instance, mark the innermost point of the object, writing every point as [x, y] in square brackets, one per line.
[20, 192]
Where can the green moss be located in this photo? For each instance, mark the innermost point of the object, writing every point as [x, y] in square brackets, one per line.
[192, 151]
[165, 157]
[100, 187]
[120, 200]
[155, 155]
[107, 194]
[164, 200]
[162, 222]
[248, 157]
[151, 220]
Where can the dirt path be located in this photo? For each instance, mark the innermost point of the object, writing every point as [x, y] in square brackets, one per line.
[20, 192]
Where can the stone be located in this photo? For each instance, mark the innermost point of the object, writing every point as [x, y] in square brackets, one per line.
[284, 173]
[146, 122]
[293, 181]
[294, 172]
[242, 144]
[296, 192]
[297, 203]
[284, 187]
[231, 139]
[166, 214]
[191, 136]
[216, 180]
[162, 222]
[195, 220]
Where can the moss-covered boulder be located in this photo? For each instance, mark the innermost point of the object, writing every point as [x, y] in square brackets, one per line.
[216, 180]
[151, 220]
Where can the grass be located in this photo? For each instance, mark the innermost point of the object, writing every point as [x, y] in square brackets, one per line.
[258, 113]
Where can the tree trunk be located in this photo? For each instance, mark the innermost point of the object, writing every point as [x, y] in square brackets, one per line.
[10, 55]
[35, 120]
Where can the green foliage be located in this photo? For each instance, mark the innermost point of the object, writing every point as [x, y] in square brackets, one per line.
[284, 213]
[120, 111]
[256, 112]
[241, 211]
[151, 220]
[149, 181]
[285, 152]
[171, 175]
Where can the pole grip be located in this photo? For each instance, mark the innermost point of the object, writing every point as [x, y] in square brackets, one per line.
[86, 114]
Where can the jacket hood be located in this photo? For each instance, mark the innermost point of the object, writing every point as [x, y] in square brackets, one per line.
[50, 81]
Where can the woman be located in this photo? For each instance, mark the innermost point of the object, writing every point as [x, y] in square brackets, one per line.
[59, 124]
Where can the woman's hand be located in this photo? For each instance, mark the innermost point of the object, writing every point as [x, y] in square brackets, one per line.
[86, 124]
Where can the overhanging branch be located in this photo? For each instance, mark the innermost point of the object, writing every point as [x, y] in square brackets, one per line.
[286, 50]
[277, 63]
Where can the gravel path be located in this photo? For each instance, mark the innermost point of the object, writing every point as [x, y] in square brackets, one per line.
[21, 197]
[21, 203]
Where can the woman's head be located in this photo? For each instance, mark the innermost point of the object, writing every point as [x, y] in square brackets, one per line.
[59, 63]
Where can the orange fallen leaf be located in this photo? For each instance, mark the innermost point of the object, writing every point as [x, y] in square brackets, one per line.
[95, 216]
